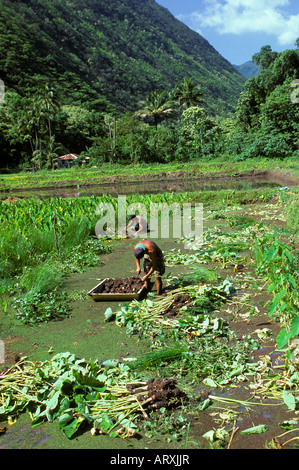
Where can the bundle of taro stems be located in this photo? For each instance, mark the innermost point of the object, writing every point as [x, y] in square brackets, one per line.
[155, 312]
[125, 397]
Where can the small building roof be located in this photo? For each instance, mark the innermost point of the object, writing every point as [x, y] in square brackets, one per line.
[69, 156]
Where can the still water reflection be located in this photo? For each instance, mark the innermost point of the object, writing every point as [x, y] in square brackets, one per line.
[149, 187]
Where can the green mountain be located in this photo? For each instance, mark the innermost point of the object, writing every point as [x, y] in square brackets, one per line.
[108, 55]
[248, 69]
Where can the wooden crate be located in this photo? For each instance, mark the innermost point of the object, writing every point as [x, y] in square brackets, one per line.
[113, 296]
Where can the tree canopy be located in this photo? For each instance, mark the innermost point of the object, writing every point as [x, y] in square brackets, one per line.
[188, 93]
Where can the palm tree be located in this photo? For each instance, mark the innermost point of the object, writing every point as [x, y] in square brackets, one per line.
[188, 93]
[157, 107]
[37, 123]
[48, 106]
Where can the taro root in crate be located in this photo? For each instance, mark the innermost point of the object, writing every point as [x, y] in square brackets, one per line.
[118, 289]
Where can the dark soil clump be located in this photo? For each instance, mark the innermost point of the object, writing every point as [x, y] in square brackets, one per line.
[179, 301]
[127, 285]
[159, 393]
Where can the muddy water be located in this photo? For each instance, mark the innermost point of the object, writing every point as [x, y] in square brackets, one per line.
[148, 187]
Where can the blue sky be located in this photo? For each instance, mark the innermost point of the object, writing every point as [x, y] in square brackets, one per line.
[237, 29]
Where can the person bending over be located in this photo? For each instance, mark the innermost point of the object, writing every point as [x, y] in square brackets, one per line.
[139, 224]
[153, 262]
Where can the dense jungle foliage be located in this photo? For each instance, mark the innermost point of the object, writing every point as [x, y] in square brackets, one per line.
[125, 82]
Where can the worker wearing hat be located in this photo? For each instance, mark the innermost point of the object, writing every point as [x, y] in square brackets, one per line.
[153, 262]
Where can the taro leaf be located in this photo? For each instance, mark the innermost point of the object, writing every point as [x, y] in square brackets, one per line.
[294, 379]
[93, 395]
[272, 309]
[65, 404]
[51, 405]
[272, 287]
[295, 326]
[282, 338]
[108, 313]
[65, 418]
[205, 404]
[82, 405]
[269, 255]
[214, 435]
[290, 400]
[38, 418]
[276, 301]
[127, 423]
[71, 428]
[210, 435]
[63, 384]
[88, 381]
[62, 356]
[235, 372]
[210, 382]
[10, 407]
[110, 363]
[255, 430]
[105, 422]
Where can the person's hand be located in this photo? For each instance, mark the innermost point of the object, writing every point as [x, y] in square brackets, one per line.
[138, 271]
[144, 279]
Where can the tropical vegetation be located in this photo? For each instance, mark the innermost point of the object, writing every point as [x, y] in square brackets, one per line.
[88, 64]
[107, 82]
[168, 126]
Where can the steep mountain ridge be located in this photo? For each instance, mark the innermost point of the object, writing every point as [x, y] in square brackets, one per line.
[109, 55]
[248, 69]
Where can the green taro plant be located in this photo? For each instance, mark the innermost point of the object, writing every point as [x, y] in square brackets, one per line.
[278, 261]
[39, 307]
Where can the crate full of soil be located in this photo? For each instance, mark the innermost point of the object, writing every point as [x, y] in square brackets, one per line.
[128, 288]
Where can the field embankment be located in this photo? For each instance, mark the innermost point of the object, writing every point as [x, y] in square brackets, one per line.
[284, 172]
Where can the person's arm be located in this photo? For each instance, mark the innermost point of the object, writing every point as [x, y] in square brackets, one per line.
[138, 269]
[141, 223]
[129, 225]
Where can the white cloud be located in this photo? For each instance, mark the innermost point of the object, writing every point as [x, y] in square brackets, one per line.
[249, 16]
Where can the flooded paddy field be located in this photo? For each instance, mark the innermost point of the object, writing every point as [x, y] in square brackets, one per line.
[176, 185]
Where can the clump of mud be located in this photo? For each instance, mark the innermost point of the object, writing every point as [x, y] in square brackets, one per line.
[179, 301]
